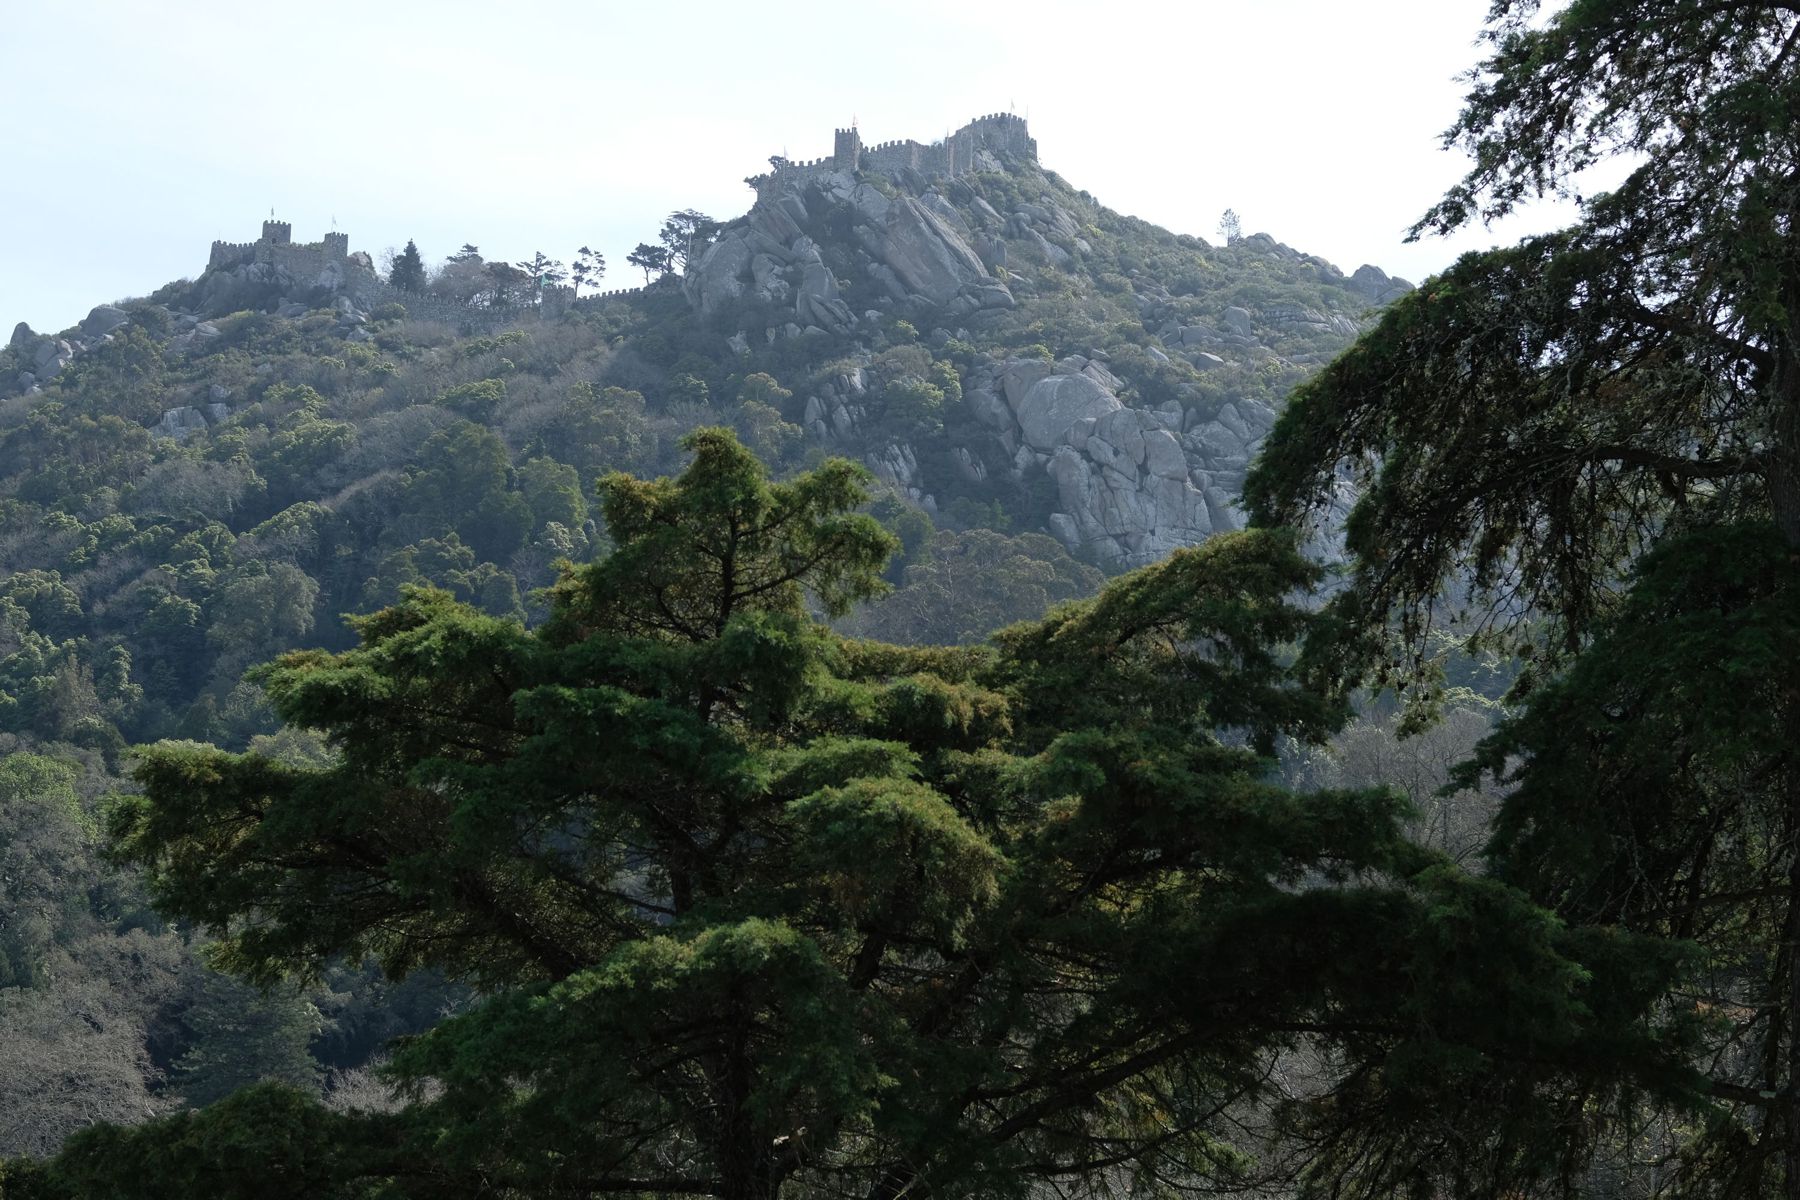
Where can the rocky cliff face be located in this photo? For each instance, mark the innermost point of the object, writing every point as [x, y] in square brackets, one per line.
[995, 344]
[1131, 459]
[915, 251]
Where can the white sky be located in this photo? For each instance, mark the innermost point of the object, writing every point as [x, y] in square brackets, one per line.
[137, 133]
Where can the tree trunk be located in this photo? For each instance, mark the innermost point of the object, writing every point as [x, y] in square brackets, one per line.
[1790, 1010]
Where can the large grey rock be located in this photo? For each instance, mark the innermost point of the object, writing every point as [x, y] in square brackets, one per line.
[1056, 402]
[987, 408]
[769, 283]
[1123, 428]
[716, 279]
[995, 295]
[818, 283]
[1163, 456]
[179, 423]
[1229, 417]
[922, 251]
[1369, 281]
[947, 213]
[816, 299]
[52, 355]
[1018, 376]
[1237, 320]
[1217, 442]
[887, 281]
[1376, 286]
[777, 223]
[792, 206]
[1054, 254]
[103, 318]
[23, 338]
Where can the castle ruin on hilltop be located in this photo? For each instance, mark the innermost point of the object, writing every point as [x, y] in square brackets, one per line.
[957, 154]
[277, 246]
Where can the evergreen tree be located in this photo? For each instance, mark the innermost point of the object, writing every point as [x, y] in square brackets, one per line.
[684, 235]
[588, 269]
[243, 1036]
[541, 270]
[1612, 407]
[408, 273]
[650, 258]
[758, 910]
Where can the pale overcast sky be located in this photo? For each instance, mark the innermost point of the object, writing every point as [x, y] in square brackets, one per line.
[138, 133]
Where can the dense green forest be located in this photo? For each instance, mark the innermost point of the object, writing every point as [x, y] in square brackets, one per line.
[351, 454]
[946, 690]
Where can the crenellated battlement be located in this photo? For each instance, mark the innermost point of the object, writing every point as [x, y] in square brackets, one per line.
[226, 253]
[1003, 135]
[277, 245]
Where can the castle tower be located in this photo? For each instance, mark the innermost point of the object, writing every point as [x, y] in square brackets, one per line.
[846, 153]
[337, 245]
[278, 233]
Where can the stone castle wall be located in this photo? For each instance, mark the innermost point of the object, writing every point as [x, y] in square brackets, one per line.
[1003, 134]
[277, 247]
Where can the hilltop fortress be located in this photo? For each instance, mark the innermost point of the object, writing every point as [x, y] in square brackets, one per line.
[978, 145]
[328, 265]
[993, 135]
[277, 246]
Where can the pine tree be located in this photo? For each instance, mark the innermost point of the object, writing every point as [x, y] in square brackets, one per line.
[650, 258]
[408, 273]
[1591, 441]
[243, 1036]
[760, 911]
[588, 268]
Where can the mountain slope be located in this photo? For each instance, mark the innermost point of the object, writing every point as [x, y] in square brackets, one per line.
[196, 481]
[193, 482]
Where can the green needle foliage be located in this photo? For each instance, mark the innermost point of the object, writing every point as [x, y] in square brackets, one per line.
[1650, 791]
[758, 910]
[1529, 420]
[1598, 431]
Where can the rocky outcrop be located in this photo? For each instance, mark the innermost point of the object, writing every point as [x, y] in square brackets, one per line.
[914, 251]
[922, 250]
[179, 423]
[1376, 285]
[1131, 484]
[256, 284]
[103, 318]
[42, 357]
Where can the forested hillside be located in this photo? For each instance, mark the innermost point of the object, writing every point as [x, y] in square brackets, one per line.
[944, 691]
[194, 482]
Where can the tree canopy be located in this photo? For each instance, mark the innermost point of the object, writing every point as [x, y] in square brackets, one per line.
[1589, 444]
[408, 273]
[758, 910]
[1530, 420]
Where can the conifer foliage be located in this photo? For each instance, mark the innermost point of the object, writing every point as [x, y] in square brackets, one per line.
[408, 273]
[757, 910]
[1593, 438]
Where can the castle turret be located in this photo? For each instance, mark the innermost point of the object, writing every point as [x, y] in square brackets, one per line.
[337, 245]
[277, 233]
[846, 154]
